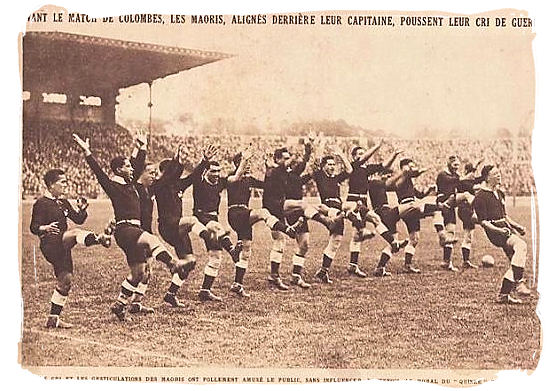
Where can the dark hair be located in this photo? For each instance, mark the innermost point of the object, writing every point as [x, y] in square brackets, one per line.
[52, 176]
[279, 153]
[355, 149]
[486, 170]
[237, 159]
[452, 158]
[404, 162]
[325, 159]
[117, 163]
[163, 165]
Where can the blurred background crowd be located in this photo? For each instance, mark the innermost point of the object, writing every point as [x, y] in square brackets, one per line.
[49, 145]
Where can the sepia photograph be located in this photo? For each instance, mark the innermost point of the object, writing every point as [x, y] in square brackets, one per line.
[291, 198]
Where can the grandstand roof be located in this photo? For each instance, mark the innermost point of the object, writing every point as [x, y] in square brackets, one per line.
[62, 62]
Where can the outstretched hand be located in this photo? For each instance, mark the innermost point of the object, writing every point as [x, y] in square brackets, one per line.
[84, 145]
[210, 152]
[141, 138]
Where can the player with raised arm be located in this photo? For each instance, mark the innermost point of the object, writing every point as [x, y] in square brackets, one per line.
[173, 227]
[490, 207]
[49, 223]
[241, 217]
[328, 185]
[357, 201]
[445, 219]
[136, 243]
[206, 203]
[411, 209]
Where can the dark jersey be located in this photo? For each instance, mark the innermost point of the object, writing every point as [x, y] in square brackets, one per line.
[295, 185]
[447, 184]
[238, 192]
[124, 196]
[359, 177]
[146, 207]
[168, 187]
[466, 185]
[378, 193]
[329, 186]
[47, 210]
[489, 205]
[275, 182]
[206, 196]
[405, 191]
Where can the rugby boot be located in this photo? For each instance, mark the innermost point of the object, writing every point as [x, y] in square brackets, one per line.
[182, 268]
[299, 281]
[381, 272]
[104, 239]
[238, 289]
[139, 308]
[469, 265]
[508, 299]
[173, 301]
[353, 269]
[276, 281]
[448, 266]
[521, 289]
[409, 268]
[118, 309]
[54, 322]
[207, 295]
[322, 275]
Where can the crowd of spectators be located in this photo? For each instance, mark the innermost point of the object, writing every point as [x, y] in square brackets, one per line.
[49, 144]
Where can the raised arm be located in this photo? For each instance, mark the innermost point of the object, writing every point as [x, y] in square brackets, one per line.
[370, 152]
[137, 159]
[347, 165]
[388, 163]
[101, 176]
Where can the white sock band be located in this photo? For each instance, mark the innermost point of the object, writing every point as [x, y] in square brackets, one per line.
[58, 298]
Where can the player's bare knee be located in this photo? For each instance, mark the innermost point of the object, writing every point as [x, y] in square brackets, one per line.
[278, 243]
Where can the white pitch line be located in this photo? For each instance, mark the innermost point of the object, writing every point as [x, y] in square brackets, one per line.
[145, 353]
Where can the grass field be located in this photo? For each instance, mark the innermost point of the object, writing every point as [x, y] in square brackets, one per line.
[433, 320]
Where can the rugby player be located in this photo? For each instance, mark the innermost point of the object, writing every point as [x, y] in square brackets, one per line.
[328, 186]
[173, 227]
[357, 201]
[136, 243]
[445, 219]
[206, 202]
[490, 208]
[411, 210]
[49, 223]
[241, 217]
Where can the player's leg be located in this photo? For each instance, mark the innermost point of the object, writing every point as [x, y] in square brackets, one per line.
[153, 247]
[410, 249]
[62, 262]
[225, 240]
[465, 212]
[240, 268]
[447, 263]
[328, 217]
[334, 242]
[276, 257]
[516, 249]
[192, 224]
[385, 257]
[299, 258]
[137, 265]
[271, 221]
[136, 305]
[211, 271]
[354, 252]
[241, 220]
[75, 236]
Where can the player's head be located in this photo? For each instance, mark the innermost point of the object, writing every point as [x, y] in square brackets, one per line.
[212, 172]
[357, 153]
[407, 164]
[148, 175]
[56, 182]
[328, 164]
[163, 165]
[282, 156]
[469, 168]
[453, 163]
[121, 166]
[491, 174]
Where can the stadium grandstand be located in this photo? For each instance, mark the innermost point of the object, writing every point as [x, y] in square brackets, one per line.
[89, 71]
